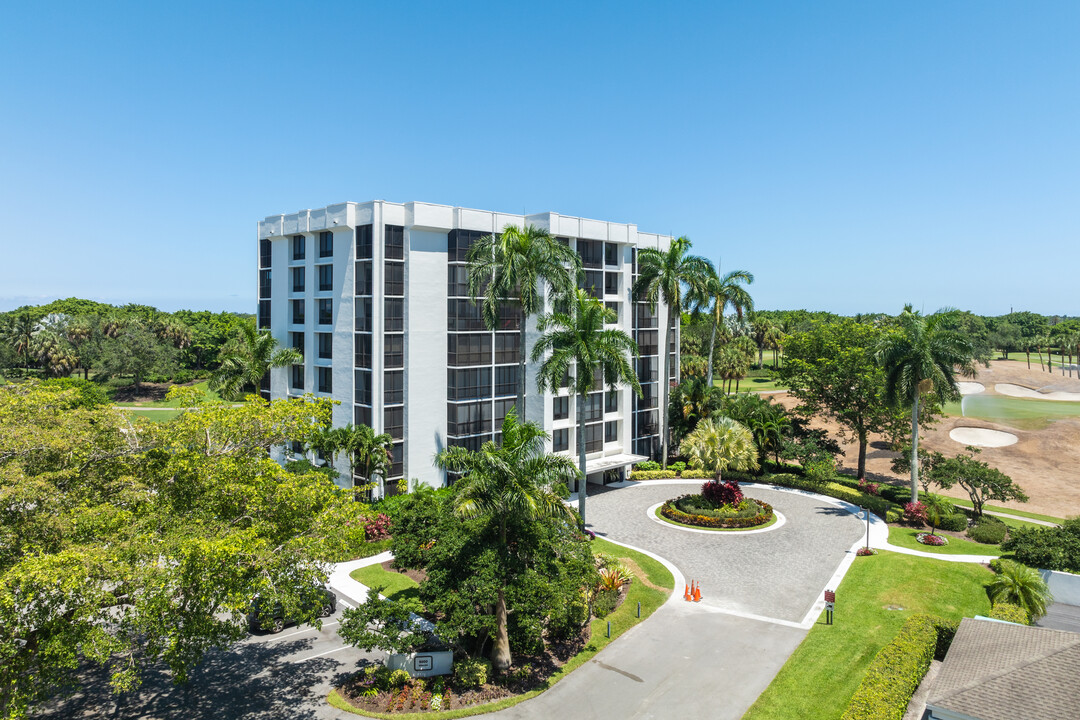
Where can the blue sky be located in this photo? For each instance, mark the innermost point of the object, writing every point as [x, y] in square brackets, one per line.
[854, 156]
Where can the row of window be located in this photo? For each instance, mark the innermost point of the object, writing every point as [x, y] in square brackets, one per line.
[324, 378]
[477, 417]
[298, 274]
[393, 387]
[595, 437]
[475, 383]
[560, 406]
[464, 350]
[466, 316]
[393, 242]
[326, 245]
[324, 344]
[325, 309]
[393, 315]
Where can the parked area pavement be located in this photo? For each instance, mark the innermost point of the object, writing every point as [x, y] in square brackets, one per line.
[761, 593]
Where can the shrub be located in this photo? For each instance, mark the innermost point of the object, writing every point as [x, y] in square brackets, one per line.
[870, 488]
[865, 552]
[1010, 613]
[953, 522]
[647, 465]
[677, 466]
[472, 672]
[893, 515]
[614, 577]
[928, 539]
[605, 603]
[946, 631]
[896, 671]
[398, 678]
[820, 472]
[691, 474]
[915, 512]
[722, 493]
[377, 528]
[1049, 548]
[671, 512]
[90, 394]
[652, 474]
[878, 506]
[988, 530]
[1021, 586]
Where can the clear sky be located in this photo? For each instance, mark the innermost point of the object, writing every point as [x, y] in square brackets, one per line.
[853, 155]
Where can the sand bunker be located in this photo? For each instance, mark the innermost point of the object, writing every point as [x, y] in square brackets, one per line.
[981, 437]
[970, 388]
[1022, 392]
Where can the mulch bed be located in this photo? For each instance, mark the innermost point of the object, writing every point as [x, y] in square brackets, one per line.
[417, 576]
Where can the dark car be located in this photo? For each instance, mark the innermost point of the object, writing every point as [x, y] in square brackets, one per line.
[324, 603]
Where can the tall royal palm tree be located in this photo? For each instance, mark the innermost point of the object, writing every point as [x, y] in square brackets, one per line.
[716, 295]
[922, 356]
[247, 359]
[579, 339]
[510, 269]
[662, 274]
[513, 483]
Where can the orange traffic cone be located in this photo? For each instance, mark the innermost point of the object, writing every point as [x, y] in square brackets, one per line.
[686, 594]
[697, 593]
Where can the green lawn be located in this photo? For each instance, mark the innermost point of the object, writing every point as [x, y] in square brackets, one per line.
[905, 537]
[621, 620]
[1020, 413]
[155, 415]
[204, 386]
[821, 675]
[1021, 513]
[755, 381]
[396, 586]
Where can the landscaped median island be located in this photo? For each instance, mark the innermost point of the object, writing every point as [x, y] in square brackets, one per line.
[627, 577]
[723, 513]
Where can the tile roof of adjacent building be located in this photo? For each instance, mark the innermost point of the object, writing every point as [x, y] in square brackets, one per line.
[1001, 671]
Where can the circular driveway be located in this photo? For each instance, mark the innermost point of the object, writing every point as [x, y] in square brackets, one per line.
[776, 574]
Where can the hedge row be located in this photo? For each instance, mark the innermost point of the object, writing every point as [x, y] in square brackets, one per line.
[652, 474]
[1010, 613]
[877, 505]
[896, 671]
[673, 513]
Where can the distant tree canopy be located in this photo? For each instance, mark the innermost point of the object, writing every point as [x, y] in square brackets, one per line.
[133, 340]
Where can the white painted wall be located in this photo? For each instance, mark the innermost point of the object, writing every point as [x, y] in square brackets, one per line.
[1065, 587]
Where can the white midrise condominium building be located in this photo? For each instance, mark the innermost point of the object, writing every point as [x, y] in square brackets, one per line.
[375, 295]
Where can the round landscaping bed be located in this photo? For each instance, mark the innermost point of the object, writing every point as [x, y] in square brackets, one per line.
[698, 511]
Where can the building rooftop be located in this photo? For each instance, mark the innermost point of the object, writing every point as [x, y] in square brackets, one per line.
[1001, 671]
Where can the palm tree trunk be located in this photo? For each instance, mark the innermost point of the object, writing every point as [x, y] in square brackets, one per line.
[1027, 351]
[712, 347]
[500, 651]
[915, 449]
[521, 371]
[666, 350]
[581, 457]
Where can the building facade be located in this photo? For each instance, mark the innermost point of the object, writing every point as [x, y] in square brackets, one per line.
[375, 296]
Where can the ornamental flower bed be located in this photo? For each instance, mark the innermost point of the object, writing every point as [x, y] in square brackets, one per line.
[763, 515]
[929, 539]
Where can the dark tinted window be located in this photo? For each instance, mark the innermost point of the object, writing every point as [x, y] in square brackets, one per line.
[394, 422]
[326, 312]
[362, 343]
[298, 279]
[325, 380]
[298, 243]
[326, 345]
[298, 312]
[296, 377]
[394, 280]
[362, 315]
[591, 252]
[364, 285]
[394, 387]
[506, 380]
[326, 244]
[362, 387]
[395, 242]
[264, 314]
[395, 314]
[265, 254]
[363, 242]
[560, 408]
[326, 277]
[560, 440]
[394, 351]
[473, 349]
[468, 383]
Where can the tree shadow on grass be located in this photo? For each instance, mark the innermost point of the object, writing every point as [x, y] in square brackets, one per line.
[251, 680]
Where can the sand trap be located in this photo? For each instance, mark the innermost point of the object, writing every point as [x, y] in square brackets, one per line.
[1022, 392]
[970, 388]
[981, 437]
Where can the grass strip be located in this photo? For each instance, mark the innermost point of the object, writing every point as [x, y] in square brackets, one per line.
[905, 537]
[624, 618]
[822, 674]
[1010, 511]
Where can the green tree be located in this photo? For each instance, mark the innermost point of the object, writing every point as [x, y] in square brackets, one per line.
[597, 355]
[981, 482]
[509, 269]
[768, 423]
[921, 356]
[662, 275]
[18, 333]
[692, 400]
[937, 507]
[138, 352]
[512, 483]
[830, 367]
[1021, 586]
[125, 545]
[247, 359]
[719, 445]
[718, 292]
[368, 454]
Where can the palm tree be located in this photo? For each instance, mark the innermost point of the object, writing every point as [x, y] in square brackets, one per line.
[247, 359]
[923, 356]
[936, 507]
[661, 276]
[774, 336]
[1020, 585]
[513, 483]
[716, 294]
[368, 453]
[509, 268]
[580, 339]
[18, 332]
[719, 445]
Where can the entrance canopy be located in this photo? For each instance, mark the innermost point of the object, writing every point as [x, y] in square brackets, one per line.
[612, 461]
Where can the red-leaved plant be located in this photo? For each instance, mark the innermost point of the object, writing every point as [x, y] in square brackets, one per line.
[928, 539]
[377, 528]
[870, 488]
[722, 493]
[915, 512]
